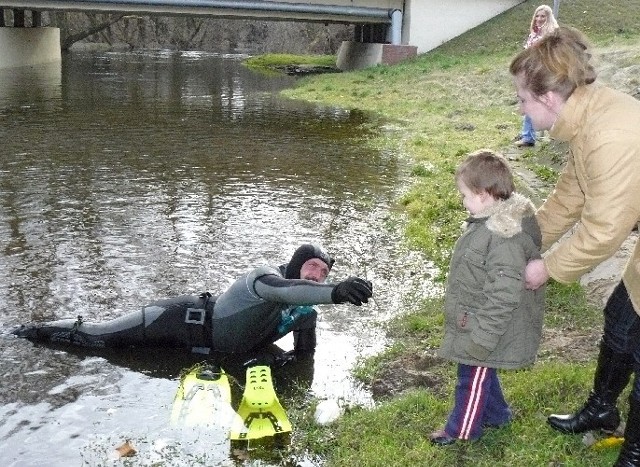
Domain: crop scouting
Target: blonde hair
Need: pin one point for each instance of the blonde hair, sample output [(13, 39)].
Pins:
[(559, 62), (549, 25), (486, 170)]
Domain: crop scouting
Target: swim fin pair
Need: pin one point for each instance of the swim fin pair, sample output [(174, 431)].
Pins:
[(204, 399)]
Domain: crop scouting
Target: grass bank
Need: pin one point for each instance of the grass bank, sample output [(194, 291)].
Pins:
[(292, 64), (438, 107)]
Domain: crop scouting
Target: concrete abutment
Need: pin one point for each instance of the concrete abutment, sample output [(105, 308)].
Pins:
[(354, 55), (29, 46)]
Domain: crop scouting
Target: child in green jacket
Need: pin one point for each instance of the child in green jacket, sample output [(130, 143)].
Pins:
[(491, 320)]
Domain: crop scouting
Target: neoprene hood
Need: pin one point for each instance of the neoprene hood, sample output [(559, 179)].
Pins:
[(303, 254)]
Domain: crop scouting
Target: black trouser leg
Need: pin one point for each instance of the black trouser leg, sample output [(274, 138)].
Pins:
[(630, 452)]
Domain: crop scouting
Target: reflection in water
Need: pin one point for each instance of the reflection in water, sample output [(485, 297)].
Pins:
[(139, 176), (44, 84)]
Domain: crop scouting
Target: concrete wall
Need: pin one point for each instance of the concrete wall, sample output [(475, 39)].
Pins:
[(29, 46), (430, 23), (357, 55)]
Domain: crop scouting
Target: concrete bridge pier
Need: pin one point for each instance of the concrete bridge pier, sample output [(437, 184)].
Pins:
[(25, 46), (375, 44), (354, 55)]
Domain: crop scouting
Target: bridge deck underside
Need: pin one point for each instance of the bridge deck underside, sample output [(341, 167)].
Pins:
[(222, 9)]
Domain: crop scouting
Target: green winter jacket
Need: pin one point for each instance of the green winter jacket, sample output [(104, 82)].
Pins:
[(491, 320)]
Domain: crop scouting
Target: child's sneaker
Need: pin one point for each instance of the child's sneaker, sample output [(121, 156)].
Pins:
[(441, 438)]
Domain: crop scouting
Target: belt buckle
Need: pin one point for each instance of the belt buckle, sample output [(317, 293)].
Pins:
[(195, 316)]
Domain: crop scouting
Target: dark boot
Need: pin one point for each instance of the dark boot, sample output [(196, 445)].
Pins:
[(61, 331), (630, 453), (600, 411), (304, 341)]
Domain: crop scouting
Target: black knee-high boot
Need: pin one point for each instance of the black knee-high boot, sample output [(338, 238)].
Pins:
[(630, 453), (600, 411)]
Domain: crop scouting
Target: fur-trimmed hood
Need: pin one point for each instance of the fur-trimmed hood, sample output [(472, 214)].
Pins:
[(507, 218)]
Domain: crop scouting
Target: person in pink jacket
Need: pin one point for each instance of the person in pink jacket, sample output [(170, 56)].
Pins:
[(542, 23), (592, 210)]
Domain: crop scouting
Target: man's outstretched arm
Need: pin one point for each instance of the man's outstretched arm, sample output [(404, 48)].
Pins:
[(303, 292)]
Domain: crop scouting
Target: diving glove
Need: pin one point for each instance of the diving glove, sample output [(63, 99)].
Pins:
[(353, 290)]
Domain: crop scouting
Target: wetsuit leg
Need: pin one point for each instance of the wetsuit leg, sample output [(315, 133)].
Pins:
[(120, 332), (181, 322)]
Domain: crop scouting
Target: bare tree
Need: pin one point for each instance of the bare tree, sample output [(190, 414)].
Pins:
[(76, 27), (198, 33)]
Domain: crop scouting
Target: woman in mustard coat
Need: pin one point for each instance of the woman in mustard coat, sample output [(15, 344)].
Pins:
[(592, 210)]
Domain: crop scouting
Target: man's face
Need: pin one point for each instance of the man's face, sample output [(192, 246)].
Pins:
[(315, 270)]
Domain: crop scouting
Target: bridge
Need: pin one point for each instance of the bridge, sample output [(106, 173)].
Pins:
[(387, 31)]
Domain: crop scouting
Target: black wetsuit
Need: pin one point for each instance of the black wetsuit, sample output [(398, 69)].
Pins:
[(256, 310), (263, 306)]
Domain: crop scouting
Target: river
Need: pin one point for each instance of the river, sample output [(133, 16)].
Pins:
[(132, 176)]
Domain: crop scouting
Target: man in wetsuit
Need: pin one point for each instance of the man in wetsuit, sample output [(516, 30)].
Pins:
[(258, 309)]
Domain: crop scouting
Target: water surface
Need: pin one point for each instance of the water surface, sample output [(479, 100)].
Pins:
[(128, 177)]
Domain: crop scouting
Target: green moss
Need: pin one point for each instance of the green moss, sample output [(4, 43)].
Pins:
[(277, 60)]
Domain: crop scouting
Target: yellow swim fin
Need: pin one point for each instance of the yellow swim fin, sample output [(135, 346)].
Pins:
[(260, 411), (608, 442), (203, 398)]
